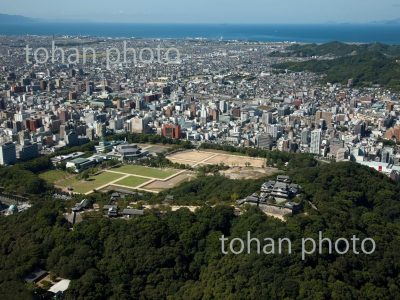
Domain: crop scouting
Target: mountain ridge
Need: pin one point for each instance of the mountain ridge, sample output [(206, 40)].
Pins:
[(15, 19)]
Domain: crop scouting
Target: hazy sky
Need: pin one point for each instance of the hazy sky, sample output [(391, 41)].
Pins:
[(208, 11)]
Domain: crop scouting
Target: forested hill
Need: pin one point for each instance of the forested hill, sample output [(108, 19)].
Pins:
[(178, 255), (367, 65), (336, 49)]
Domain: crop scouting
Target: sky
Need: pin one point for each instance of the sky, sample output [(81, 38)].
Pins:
[(208, 11)]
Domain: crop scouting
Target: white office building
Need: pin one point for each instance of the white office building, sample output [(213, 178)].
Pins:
[(315, 141)]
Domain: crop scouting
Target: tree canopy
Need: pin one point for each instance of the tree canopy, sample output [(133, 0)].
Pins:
[(177, 255)]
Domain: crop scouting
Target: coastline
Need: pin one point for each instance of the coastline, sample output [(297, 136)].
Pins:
[(315, 33)]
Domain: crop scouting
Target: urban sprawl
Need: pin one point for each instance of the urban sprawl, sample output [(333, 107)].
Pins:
[(222, 92)]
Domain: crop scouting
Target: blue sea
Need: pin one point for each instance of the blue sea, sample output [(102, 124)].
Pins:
[(389, 34)]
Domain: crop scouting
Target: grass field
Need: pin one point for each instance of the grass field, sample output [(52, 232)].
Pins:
[(132, 174), (145, 171), (81, 186), (132, 181), (52, 176)]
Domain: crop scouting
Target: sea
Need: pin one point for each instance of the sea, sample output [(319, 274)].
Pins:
[(354, 33)]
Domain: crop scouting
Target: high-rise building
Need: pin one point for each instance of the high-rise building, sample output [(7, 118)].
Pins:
[(23, 135), (20, 116), (283, 111), (63, 131), (305, 136), (387, 155), (58, 83), (215, 115), (17, 125), (8, 154), (203, 115), (71, 138), (137, 125), (359, 129), (264, 140), (89, 88), (72, 96), (192, 109), (139, 103), (166, 90), (172, 131), (323, 115), (236, 112), (43, 85), (2, 103), (168, 111), (33, 124), (335, 145), (390, 106), (63, 115), (28, 151), (116, 124), (222, 106), (274, 130), (100, 129), (267, 117), (315, 141), (90, 133)]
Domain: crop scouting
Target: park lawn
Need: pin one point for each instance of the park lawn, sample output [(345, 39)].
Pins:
[(146, 171), (52, 176), (82, 187), (132, 181)]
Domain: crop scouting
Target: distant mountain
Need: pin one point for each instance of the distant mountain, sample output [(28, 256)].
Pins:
[(14, 19)]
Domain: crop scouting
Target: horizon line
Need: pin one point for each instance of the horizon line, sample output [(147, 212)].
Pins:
[(79, 21)]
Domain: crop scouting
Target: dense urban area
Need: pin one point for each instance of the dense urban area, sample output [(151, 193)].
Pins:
[(118, 177), (226, 93)]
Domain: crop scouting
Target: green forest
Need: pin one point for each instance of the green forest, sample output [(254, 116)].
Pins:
[(366, 65), (336, 49), (177, 255)]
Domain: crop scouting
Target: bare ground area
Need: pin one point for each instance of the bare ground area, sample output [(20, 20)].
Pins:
[(194, 157), (159, 185), (191, 155), (249, 172), (234, 160)]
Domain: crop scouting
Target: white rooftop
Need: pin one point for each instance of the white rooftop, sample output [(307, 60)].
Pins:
[(60, 286)]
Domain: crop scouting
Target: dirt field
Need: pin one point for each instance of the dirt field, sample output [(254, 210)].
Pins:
[(249, 172), (190, 156), (233, 160), (159, 185), (195, 158)]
